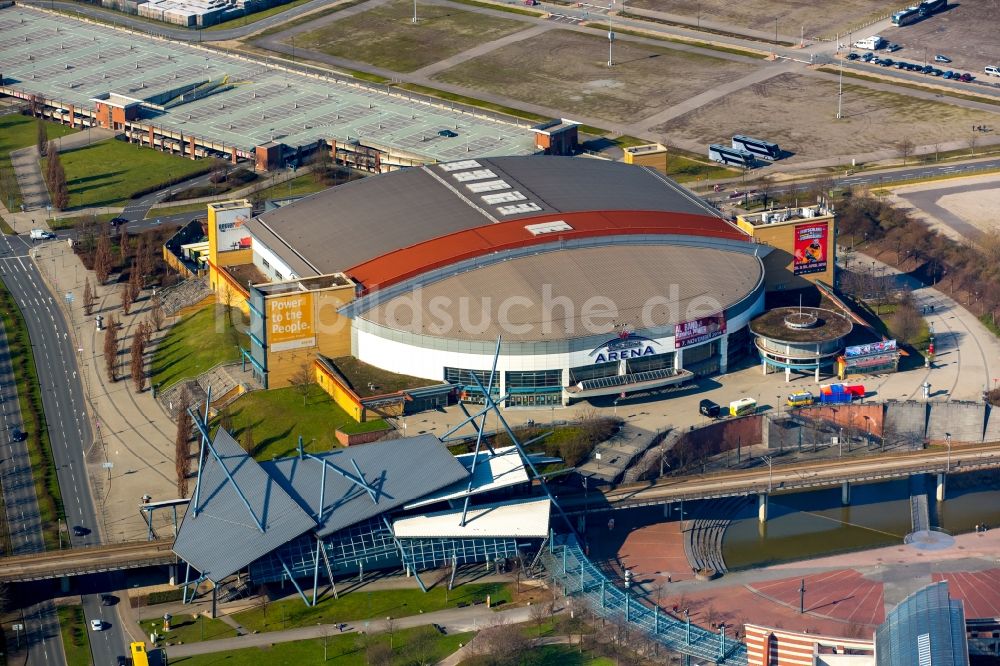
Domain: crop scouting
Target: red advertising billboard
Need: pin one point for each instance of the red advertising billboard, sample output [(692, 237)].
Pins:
[(696, 331), (812, 244)]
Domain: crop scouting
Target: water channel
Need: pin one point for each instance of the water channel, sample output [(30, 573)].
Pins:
[(813, 524)]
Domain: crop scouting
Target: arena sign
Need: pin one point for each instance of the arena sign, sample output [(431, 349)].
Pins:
[(696, 331), (626, 345)]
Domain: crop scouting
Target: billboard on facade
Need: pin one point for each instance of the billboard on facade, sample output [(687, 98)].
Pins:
[(871, 349), (230, 229), (290, 322), (811, 248), (696, 331)]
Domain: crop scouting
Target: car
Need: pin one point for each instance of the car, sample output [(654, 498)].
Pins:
[(122, 660), (901, 65), (946, 75), (892, 48), (447, 133), (926, 69), (966, 77), (710, 409), (97, 625), (118, 221), (17, 435), (914, 68), (108, 600), (936, 72), (885, 62), (80, 530), (853, 56), (941, 58), (868, 56)]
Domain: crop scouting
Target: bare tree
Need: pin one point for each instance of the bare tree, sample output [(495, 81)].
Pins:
[(905, 148), (88, 298), (182, 449), (58, 188), (126, 296), (41, 139), (539, 613), (123, 243), (906, 320), (111, 348), (420, 647), (264, 598), (139, 340), (102, 258), (390, 628), (135, 282), (156, 314), (501, 643), (303, 381), (248, 444), (378, 653), (973, 140)]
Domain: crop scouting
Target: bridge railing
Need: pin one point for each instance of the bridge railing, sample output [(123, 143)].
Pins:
[(578, 576)]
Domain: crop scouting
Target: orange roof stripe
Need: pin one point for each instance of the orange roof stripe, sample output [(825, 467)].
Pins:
[(409, 262)]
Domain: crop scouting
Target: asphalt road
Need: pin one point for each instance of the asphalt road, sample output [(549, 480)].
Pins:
[(41, 624), (66, 414), (136, 211)]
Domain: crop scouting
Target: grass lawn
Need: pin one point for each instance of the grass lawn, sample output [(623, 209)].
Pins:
[(17, 131), (183, 208), (188, 629), (296, 187), (386, 36), (358, 606), (685, 170), (361, 374), (552, 655), (278, 417), (61, 223), (417, 645), (76, 641), (109, 172), (195, 344)]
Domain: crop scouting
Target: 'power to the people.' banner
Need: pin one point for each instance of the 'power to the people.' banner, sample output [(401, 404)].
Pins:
[(290, 322)]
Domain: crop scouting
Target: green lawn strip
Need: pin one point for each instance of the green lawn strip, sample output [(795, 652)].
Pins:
[(885, 313), (173, 210), (990, 322), (409, 646), (735, 50), (501, 8), (472, 101), (685, 169), (830, 69), (711, 31), (76, 641), (249, 19), (195, 344), (296, 187), (185, 628), (278, 417), (549, 655), (6, 228), (302, 20), (16, 132), (107, 173), (29, 395), (62, 223), (359, 606)]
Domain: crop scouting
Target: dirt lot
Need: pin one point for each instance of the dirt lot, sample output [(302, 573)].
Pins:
[(386, 36), (966, 33), (798, 112), (826, 19), (961, 208), (568, 71)]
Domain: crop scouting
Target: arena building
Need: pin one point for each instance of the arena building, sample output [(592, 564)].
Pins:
[(599, 277)]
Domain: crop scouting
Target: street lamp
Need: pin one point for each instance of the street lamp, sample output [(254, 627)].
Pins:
[(947, 468), (768, 460)]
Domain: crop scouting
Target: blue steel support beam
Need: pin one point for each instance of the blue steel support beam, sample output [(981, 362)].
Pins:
[(288, 573), (319, 544), (358, 481), (201, 453), (187, 577), (364, 483)]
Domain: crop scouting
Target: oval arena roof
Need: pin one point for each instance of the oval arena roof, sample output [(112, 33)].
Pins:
[(544, 296), (387, 228)]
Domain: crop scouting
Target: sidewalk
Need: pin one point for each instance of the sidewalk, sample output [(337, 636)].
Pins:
[(133, 433)]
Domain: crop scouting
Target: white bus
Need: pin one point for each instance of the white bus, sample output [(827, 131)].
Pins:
[(730, 156), (759, 147), (907, 16)]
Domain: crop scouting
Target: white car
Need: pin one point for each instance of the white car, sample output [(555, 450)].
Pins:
[(97, 625)]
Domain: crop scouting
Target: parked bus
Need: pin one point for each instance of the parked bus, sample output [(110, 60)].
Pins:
[(760, 148), (907, 16), (928, 7), (730, 156), (743, 407)]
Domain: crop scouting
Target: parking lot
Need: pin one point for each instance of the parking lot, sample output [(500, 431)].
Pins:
[(937, 66), (966, 33)]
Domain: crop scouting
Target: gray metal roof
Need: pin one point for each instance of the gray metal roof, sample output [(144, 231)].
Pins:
[(400, 470), (224, 537), (344, 226)]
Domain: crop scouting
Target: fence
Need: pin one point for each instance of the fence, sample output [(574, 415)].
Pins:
[(570, 568)]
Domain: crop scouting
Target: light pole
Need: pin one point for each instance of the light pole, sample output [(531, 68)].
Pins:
[(768, 460), (611, 36), (947, 468), (414, 11)]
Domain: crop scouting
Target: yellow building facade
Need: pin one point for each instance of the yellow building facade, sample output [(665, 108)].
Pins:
[(804, 242), (229, 244)]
